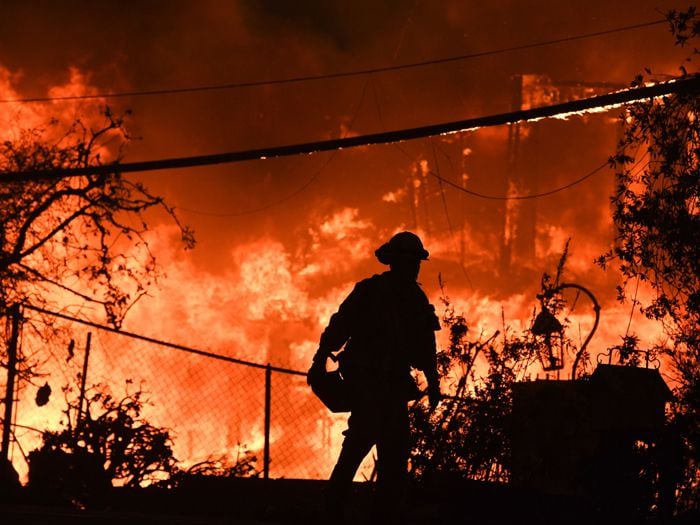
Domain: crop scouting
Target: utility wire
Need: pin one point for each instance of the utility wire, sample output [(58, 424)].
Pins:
[(308, 182), (445, 208), (301, 188), (343, 74), (520, 197), (442, 189), (682, 85)]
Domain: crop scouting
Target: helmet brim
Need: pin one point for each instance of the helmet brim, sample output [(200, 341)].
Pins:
[(386, 254)]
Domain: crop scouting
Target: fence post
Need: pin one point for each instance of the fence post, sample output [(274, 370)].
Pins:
[(268, 399), (81, 399), (11, 377)]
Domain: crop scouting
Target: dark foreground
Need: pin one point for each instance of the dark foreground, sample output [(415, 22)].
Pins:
[(256, 501)]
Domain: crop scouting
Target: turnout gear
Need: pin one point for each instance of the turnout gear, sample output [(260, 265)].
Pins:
[(386, 326), (383, 329)]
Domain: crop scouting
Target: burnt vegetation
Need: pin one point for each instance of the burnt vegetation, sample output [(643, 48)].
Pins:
[(107, 441), (80, 241)]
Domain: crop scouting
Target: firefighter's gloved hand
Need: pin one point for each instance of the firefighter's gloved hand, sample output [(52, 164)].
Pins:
[(434, 396), (318, 366), (321, 356)]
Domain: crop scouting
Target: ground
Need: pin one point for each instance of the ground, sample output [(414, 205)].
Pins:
[(284, 502)]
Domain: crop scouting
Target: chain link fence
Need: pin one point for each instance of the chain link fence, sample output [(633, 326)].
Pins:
[(215, 406)]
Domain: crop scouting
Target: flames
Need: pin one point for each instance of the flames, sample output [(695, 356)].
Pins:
[(270, 297)]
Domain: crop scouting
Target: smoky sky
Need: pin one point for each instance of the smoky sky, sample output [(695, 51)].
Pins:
[(157, 44), (142, 45)]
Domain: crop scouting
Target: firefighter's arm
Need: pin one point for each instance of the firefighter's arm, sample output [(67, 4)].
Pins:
[(340, 325), (427, 363), (332, 339), (430, 366), (431, 375)]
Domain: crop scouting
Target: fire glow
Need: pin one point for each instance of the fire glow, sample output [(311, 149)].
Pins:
[(277, 292)]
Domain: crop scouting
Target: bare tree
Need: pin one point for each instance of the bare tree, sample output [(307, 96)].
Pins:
[(81, 237), (78, 241)]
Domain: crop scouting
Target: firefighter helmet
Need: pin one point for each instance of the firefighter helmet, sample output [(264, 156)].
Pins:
[(401, 245)]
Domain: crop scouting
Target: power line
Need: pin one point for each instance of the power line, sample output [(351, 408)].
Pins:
[(683, 85), (289, 196), (343, 74), (520, 197), (301, 188), (449, 221)]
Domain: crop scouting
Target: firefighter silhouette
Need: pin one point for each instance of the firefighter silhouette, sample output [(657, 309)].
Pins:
[(382, 330)]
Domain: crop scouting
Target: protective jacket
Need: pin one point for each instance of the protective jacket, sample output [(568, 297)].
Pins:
[(387, 326)]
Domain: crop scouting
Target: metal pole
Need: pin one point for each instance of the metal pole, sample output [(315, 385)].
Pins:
[(11, 376), (268, 397), (83, 379)]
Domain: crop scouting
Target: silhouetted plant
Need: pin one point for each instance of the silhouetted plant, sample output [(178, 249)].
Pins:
[(244, 465), (467, 435), (109, 442), (656, 208)]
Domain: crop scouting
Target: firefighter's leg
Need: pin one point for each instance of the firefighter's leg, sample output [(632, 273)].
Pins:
[(359, 439), (392, 476)]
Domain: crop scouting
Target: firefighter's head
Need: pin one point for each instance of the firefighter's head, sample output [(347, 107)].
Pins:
[(403, 253)]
